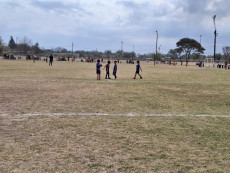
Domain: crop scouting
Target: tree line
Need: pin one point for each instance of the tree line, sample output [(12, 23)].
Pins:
[(25, 47), (186, 49)]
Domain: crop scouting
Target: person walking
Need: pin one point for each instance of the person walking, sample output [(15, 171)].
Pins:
[(138, 68), (115, 70)]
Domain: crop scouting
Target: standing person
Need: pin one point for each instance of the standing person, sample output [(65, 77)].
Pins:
[(186, 63), (33, 59), (115, 69), (225, 65), (51, 60), (98, 70), (107, 70), (138, 68)]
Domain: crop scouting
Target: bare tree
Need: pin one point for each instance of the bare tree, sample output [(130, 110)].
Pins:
[(60, 50), (35, 49), (226, 51), (25, 45), (1, 45)]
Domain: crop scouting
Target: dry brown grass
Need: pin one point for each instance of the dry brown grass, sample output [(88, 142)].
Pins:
[(113, 143), (71, 87)]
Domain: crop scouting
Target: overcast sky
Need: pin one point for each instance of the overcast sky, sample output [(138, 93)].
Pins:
[(103, 24)]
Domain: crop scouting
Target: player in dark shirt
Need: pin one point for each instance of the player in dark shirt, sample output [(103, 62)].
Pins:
[(138, 68), (115, 69), (98, 70), (51, 60), (107, 70)]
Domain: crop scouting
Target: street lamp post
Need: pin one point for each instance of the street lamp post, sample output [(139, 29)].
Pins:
[(72, 49), (215, 35), (156, 42), (200, 39)]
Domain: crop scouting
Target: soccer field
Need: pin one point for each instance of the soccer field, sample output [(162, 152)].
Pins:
[(66, 87), (61, 119)]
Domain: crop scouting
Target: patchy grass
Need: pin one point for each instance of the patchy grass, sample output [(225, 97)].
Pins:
[(115, 144), (71, 87)]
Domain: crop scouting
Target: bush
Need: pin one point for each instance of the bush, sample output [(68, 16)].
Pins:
[(62, 58)]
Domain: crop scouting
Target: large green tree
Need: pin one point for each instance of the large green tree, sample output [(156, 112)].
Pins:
[(173, 54), (156, 57), (128, 56), (108, 54), (188, 46)]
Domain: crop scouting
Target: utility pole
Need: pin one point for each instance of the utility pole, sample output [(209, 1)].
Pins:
[(215, 35), (72, 49), (133, 52), (121, 49), (156, 42), (200, 45)]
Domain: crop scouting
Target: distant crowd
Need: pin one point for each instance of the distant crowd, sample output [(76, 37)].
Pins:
[(50, 59)]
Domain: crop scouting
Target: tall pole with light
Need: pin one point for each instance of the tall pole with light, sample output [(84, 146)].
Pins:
[(215, 34), (72, 49)]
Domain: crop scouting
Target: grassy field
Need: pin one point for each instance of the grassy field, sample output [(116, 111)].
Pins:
[(113, 143), (71, 87)]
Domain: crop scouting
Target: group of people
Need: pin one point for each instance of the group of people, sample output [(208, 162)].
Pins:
[(107, 67), (223, 65)]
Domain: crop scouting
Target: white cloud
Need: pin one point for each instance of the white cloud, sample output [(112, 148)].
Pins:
[(103, 24)]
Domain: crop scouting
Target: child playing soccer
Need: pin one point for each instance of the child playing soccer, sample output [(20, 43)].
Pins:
[(107, 70), (115, 69), (138, 68), (98, 71)]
